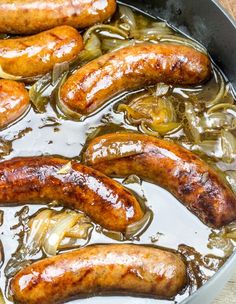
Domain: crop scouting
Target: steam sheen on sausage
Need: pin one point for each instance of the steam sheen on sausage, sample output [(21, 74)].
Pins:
[(169, 165), (36, 55), (130, 68), (33, 16), (39, 179), (14, 101), (100, 269)]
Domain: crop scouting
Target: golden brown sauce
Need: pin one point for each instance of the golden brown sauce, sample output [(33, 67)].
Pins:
[(173, 226)]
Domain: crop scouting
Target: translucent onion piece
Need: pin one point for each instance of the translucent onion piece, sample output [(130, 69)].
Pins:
[(193, 122), (38, 227), (37, 91), (145, 129), (5, 75), (161, 89), (166, 128), (231, 178), (220, 94), (65, 169), (218, 120), (151, 33), (58, 70), (231, 235), (223, 106), (57, 233), (127, 15), (93, 43), (228, 143), (138, 227), (79, 231), (180, 40), (209, 147), (230, 230), (104, 27), (109, 45), (115, 235)]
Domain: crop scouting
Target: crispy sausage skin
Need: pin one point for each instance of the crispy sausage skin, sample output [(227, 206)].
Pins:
[(130, 68), (33, 16), (36, 55), (39, 179), (169, 165), (115, 268), (14, 101)]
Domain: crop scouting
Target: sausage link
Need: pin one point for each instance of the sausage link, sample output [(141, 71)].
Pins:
[(38, 179), (130, 68), (131, 269), (36, 55), (169, 165), (33, 16), (14, 100)]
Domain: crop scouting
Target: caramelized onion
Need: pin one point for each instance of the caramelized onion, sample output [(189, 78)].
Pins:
[(153, 114)]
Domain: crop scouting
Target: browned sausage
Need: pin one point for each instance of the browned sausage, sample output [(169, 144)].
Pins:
[(130, 68), (39, 179), (36, 55), (33, 16), (14, 100), (169, 165), (99, 269)]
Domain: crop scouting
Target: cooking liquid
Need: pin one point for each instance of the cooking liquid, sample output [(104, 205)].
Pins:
[(172, 226)]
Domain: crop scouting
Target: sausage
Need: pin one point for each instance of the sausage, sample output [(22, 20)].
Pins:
[(14, 101), (130, 68), (169, 165), (39, 179), (33, 16), (36, 55), (96, 269)]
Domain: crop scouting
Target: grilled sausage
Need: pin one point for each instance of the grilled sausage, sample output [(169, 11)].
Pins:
[(14, 100), (39, 179), (130, 68), (100, 269), (33, 16), (36, 55), (169, 165)]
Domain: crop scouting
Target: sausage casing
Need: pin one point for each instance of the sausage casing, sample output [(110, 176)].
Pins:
[(33, 16), (36, 55), (130, 68), (169, 165), (38, 179), (99, 269), (14, 100)]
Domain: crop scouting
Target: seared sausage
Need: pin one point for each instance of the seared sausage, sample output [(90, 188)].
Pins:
[(36, 55), (130, 68), (33, 16), (43, 179), (169, 165), (14, 100), (100, 269)]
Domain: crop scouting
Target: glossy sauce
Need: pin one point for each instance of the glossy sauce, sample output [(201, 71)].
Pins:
[(173, 226)]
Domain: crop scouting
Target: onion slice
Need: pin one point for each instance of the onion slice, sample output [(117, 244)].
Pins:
[(57, 233)]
